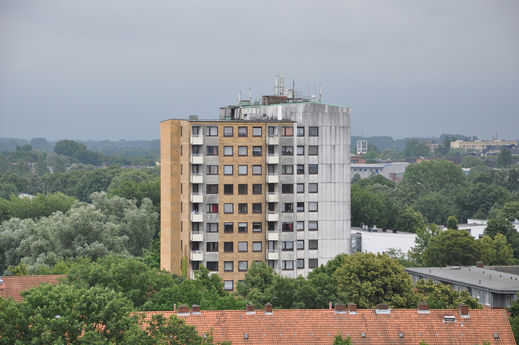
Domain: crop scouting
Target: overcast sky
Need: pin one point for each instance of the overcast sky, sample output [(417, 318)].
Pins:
[(105, 69)]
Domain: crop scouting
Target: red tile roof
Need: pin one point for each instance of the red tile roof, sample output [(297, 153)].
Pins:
[(307, 326), (14, 285)]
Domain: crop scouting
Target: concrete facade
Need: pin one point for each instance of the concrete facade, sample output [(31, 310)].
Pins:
[(381, 241)]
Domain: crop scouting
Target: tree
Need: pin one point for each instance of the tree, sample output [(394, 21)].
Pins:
[(408, 220), (339, 340), (434, 175), (423, 238), (415, 148), (441, 296), (451, 247), (368, 279), (510, 211), (504, 159), (68, 147), (257, 285), (452, 223), (496, 251), (471, 162), (505, 227)]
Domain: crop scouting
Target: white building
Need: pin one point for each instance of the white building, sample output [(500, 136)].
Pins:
[(362, 147), (393, 171), (381, 241)]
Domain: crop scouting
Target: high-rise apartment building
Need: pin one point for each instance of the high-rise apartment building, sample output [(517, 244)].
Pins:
[(266, 182)]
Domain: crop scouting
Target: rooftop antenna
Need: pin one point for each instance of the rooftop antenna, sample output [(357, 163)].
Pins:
[(281, 85), (276, 86), (320, 92), (294, 88), (250, 94), (239, 97)]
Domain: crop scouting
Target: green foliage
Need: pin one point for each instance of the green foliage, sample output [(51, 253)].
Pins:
[(496, 251), (37, 207), (18, 270), (451, 247), (505, 227), (434, 175), (441, 296), (504, 159), (339, 340), (434, 206), (368, 279), (471, 162), (415, 148), (423, 238), (510, 211), (452, 223)]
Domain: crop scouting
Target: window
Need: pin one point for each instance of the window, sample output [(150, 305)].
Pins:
[(287, 188), (313, 168), (227, 170), (228, 285), (242, 131), (313, 150), (300, 244), (211, 131), (312, 244), (228, 247), (300, 131), (256, 131), (256, 151), (242, 189), (243, 246), (256, 246), (195, 227), (227, 151), (211, 227), (256, 188), (228, 227), (211, 150), (288, 207), (243, 266), (312, 207), (256, 227), (286, 227), (300, 150), (271, 246), (256, 170), (228, 208), (212, 266), (271, 169), (271, 131), (228, 266), (287, 246), (312, 263), (271, 187), (271, 149), (242, 170), (227, 132), (195, 169), (300, 187), (271, 226), (287, 169), (312, 188), (242, 227), (196, 265), (228, 188), (195, 246), (256, 208), (287, 131), (212, 208), (300, 225), (242, 208), (242, 150), (287, 150), (288, 265), (211, 246), (211, 189), (300, 207), (300, 169), (195, 131), (211, 169), (300, 263), (313, 225), (196, 150), (313, 131)]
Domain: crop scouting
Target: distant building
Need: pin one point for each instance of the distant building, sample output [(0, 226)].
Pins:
[(362, 147), (488, 146), (382, 325), (380, 240), (491, 288), (392, 171), (476, 227)]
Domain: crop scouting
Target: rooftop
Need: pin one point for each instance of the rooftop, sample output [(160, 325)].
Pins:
[(486, 278), (366, 326), (13, 285)]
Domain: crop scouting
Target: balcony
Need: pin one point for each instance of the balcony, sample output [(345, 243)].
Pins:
[(273, 140), (197, 236), (197, 159), (272, 159), (197, 256), (197, 140), (272, 178), (272, 256), (197, 198), (272, 217), (197, 178), (197, 217), (272, 236), (272, 197)]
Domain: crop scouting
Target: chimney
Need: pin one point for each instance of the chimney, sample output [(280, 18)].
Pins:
[(480, 264), (382, 308), (352, 308), (464, 311), (423, 308), (195, 309), (340, 308), (183, 310), (330, 305), (249, 309), (268, 309)]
